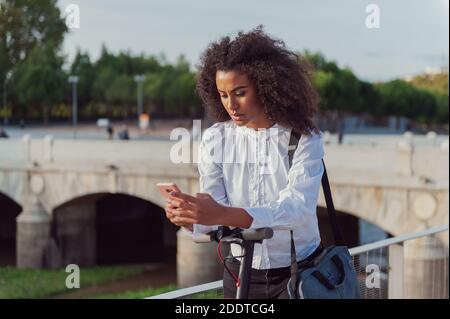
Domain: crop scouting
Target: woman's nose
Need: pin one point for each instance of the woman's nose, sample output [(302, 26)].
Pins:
[(232, 104)]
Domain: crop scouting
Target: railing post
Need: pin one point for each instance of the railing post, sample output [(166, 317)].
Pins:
[(26, 147), (48, 148), (405, 153), (396, 272)]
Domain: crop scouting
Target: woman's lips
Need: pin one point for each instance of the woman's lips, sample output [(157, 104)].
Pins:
[(238, 117)]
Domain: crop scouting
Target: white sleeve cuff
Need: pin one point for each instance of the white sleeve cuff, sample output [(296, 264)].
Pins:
[(202, 229), (262, 217)]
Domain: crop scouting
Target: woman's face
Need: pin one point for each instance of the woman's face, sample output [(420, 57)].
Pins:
[(239, 98)]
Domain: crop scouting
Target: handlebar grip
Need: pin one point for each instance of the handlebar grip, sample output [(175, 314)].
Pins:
[(257, 234)]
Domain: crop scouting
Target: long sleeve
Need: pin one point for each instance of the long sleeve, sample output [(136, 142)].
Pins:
[(299, 198), (210, 170)]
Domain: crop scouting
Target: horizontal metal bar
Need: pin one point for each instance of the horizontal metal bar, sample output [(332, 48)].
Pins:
[(189, 291), (397, 240), (353, 251)]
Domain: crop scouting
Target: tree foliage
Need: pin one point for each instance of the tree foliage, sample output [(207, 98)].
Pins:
[(26, 24), (40, 81), (423, 99), (31, 33)]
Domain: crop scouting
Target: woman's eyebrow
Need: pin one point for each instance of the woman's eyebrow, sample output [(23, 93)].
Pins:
[(236, 88)]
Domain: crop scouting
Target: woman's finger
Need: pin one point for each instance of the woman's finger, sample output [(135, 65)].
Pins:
[(184, 197), (176, 202), (171, 214), (180, 204), (187, 206), (185, 220), (171, 206)]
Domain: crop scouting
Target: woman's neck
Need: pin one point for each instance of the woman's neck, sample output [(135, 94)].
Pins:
[(259, 126)]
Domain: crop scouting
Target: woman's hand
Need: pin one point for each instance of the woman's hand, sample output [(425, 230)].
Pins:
[(171, 213), (202, 209)]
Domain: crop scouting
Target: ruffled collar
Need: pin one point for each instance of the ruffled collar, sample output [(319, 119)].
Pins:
[(252, 131)]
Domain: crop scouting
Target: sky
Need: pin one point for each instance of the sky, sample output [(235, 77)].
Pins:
[(413, 35)]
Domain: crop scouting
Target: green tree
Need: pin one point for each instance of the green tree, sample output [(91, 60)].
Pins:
[(434, 82), (442, 108), (83, 68), (370, 98), (437, 85), (122, 92), (40, 82), (400, 98), (319, 62), (172, 91), (339, 89), (396, 96), (323, 82), (154, 88), (25, 24)]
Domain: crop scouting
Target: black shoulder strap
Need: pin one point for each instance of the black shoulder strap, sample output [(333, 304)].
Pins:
[(293, 142)]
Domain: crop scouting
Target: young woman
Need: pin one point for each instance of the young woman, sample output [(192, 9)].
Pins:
[(252, 84)]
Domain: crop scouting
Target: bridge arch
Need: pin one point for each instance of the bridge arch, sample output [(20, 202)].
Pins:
[(111, 228), (11, 190), (385, 207), (355, 229), (9, 210)]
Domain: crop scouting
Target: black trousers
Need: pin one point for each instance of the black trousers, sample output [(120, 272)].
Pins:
[(264, 283)]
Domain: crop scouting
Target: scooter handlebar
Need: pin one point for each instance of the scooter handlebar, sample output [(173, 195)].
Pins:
[(247, 234), (257, 234)]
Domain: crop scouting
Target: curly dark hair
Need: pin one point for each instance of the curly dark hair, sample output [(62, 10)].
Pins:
[(282, 78)]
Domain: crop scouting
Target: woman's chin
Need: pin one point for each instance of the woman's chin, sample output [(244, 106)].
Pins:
[(239, 122)]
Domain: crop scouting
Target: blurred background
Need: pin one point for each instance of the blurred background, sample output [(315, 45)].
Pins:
[(90, 92)]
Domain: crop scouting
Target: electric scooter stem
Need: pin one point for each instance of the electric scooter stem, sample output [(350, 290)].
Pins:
[(245, 269), (246, 239)]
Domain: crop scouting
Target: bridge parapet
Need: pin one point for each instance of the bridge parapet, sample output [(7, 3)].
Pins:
[(401, 188)]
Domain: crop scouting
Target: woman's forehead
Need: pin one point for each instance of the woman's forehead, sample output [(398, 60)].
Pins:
[(230, 79)]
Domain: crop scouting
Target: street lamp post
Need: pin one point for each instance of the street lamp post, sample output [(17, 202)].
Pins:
[(140, 78), (5, 118), (74, 80)]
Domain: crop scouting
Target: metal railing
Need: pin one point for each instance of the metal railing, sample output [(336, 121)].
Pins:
[(407, 266)]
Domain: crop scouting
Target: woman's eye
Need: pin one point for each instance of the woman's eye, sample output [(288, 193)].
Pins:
[(223, 96), (240, 93)]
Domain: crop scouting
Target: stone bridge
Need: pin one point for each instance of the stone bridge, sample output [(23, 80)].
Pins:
[(57, 185)]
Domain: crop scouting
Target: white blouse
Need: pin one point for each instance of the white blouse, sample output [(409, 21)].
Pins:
[(247, 168)]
